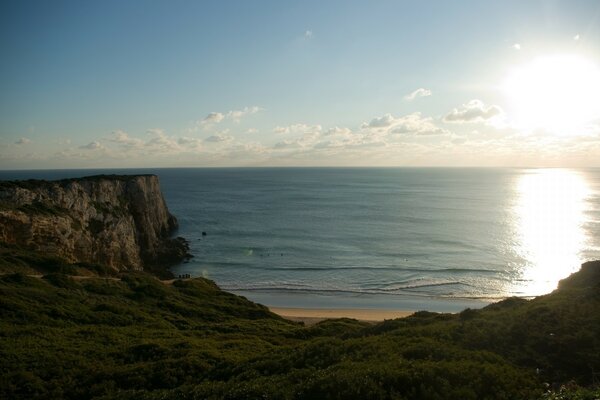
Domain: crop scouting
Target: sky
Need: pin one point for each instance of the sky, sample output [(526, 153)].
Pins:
[(299, 83)]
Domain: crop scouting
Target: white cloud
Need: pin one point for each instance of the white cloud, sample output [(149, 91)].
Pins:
[(212, 118), (380, 122), (420, 92), (281, 129), (219, 138), (305, 141), (158, 143), (125, 140), (576, 37), (516, 46), (22, 141), (190, 143), (236, 115), (411, 139), (161, 142), (297, 128), (377, 140), (416, 124), (308, 34), (95, 145), (409, 124), (337, 131), (474, 111)]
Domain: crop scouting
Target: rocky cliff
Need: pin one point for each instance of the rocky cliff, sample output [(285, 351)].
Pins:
[(118, 221)]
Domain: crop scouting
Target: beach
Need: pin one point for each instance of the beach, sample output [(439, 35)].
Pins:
[(312, 316)]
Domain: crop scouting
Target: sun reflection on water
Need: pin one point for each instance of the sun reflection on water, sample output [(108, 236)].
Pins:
[(549, 216)]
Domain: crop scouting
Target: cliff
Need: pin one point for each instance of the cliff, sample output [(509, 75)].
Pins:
[(118, 221)]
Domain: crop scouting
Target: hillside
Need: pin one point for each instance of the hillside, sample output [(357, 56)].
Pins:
[(136, 337)]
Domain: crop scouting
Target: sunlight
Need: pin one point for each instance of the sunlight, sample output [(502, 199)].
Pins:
[(549, 214), (559, 94)]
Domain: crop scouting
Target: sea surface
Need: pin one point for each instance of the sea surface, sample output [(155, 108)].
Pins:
[(438, 239)]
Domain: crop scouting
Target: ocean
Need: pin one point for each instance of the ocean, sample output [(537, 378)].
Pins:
[(439, 239)]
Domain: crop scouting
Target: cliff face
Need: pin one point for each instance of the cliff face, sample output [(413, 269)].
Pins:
[(118, 221)]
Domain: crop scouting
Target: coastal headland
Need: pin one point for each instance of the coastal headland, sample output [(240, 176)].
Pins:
[(120, 222)]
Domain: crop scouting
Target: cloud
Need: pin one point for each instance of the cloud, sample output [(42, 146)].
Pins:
[(92, 146), (233, 115), (382, 137), (219, 138), (306, 141), (420, 92), (212, 118), (380, 122), (252, 130), (190, 143), (236, 115), (125, 140), (158, 143), (308, 34), (516, 46), (416, 124), (473, 111), (576, 37), (409, 124), (297, 128), (310, 135), (281, 129), (337, 131), (161, 142), (22, 141)]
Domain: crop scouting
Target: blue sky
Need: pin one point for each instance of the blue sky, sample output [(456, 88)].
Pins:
[(237, 83)]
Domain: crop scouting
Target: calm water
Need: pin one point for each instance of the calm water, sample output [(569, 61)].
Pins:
[(437, 239)]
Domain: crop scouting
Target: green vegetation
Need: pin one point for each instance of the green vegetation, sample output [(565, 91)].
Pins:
[(14, 258), (135, 337)]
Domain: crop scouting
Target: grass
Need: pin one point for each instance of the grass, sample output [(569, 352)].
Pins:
[(138, 338)]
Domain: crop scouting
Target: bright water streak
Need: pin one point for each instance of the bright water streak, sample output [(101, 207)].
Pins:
[(550, 217)]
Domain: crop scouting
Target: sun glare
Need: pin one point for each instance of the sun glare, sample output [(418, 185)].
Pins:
[(549, 216), (559, 94)]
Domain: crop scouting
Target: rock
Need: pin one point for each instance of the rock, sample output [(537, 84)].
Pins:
[(587, 276), (114, 220)]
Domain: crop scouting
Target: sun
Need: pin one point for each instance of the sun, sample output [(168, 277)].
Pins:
[(559, 94)]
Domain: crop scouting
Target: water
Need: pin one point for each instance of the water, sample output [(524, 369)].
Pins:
[(425, 238)]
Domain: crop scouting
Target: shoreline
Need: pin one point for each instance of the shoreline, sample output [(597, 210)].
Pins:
[(311, 316), (293, 302)]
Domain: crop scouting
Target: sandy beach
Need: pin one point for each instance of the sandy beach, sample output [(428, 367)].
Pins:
[(314, 315)]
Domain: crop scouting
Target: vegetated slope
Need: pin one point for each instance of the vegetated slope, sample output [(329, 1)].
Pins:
[(119, 221), (137, 337)]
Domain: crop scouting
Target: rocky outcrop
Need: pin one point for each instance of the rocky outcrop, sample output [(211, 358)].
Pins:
[(588, 276), (118, 221)]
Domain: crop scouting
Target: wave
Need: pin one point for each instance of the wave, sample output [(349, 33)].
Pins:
[(405, 287), (395, 268), (324, 291)]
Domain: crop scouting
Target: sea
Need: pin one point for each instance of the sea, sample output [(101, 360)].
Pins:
[(437, 239)]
